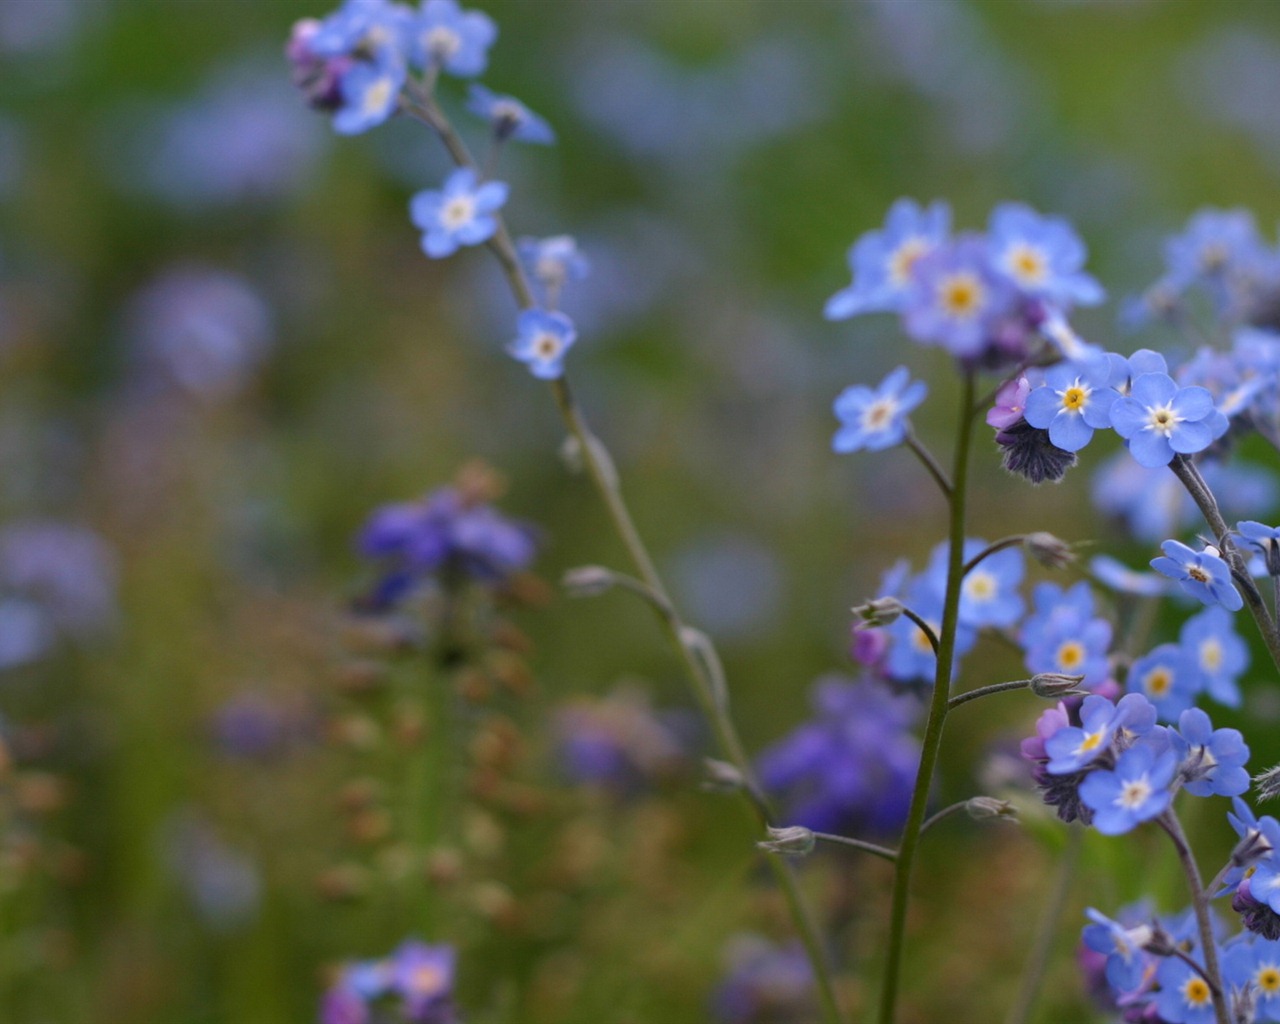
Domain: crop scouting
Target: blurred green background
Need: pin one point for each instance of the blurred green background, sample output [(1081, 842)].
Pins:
[(715, 161)]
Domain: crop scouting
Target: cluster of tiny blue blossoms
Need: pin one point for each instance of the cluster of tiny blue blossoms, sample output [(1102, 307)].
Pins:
[(1146, 966), (415, 983), (372, 59)]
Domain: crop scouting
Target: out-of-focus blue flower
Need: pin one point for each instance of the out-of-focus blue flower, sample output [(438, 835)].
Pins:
[(1073, 402), (1266, 539), (876, 418), (508, 117), (765, 982), (731, 584), (1202, 574), (852, 767), (223, 883), (202, 328), (370, 95), (883, 262), (1118, 576), (1214, 244), (1043, 256), (989, 594), (1211, 641), (256, 725), (455, 40), (1063, 635), (237, 141), (1211, 761), (618, 742), (543, 337), (955, 296), (415, 982), (1168, 678), (1137, 790), (552, 263), (422, 976), (57, 580), (1184, 996), (448, 533), (370, 29), (1160, 419), (1128, 964), (460, 213), (910, 657)]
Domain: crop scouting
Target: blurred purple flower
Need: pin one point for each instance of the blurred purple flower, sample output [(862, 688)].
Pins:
[(222, 882), (202, 328), (259, 726), (852, 767), (619, 742), (765, 983)]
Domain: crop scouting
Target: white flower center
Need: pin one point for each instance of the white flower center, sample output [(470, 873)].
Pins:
[(442, 43), (546, 346), (961, 295), (981, 586), (1162, 419), (377, 96), (903, 259), (458, 211), (1211, 655), (877, 416), (1026, 263), (1134, 793)]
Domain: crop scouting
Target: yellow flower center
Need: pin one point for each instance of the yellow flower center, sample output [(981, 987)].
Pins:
[(1211, 655), (1268, 978), (1074, 397), (961, 295), (921, 641), (1027, 264), (1070, 654), (981, 586), (1091, 741), (1196, 992), (1158, 682)]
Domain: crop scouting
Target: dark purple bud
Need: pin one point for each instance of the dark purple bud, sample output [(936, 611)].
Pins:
[(1029, 453)]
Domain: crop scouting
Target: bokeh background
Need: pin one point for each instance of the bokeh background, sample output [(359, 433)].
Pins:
[(221, 349)]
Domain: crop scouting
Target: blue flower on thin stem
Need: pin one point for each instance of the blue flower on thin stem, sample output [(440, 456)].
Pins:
[(955, 296), (1074, 402), (1184, 996), (1043, 256), (1221, 655), (883, 261), (1160, 419), (1136, 791), (1118, 576), (1127, 961), (460, 213), (989, 594), (1167, 678), (1266, 539), (542, 339), (371, 29), (509, 118), (1211, 761), (451, 39), (877, 418), (1256, 964), (370, 94), (1073, 748), (1203, 574)]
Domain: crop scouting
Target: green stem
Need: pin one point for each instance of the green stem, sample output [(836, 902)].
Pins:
[(937, 710), (986, 691), (929, 462), (421, 104), (883, 852), (991, 549), (1200, 902)]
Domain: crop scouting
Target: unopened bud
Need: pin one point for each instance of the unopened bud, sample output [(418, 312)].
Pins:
[(1052, 685), (987, 808), (879, 612), (1267, 783), (1050, 551), (1154, 939), (793, 841), (721, 776), (588, 581), (1253, 846)]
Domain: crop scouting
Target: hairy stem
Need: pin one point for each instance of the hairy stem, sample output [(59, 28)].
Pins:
[(1200, 902), (986, 691), (858, 844), (421, 105), (991, 549), (929, 462), (937, 711)]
